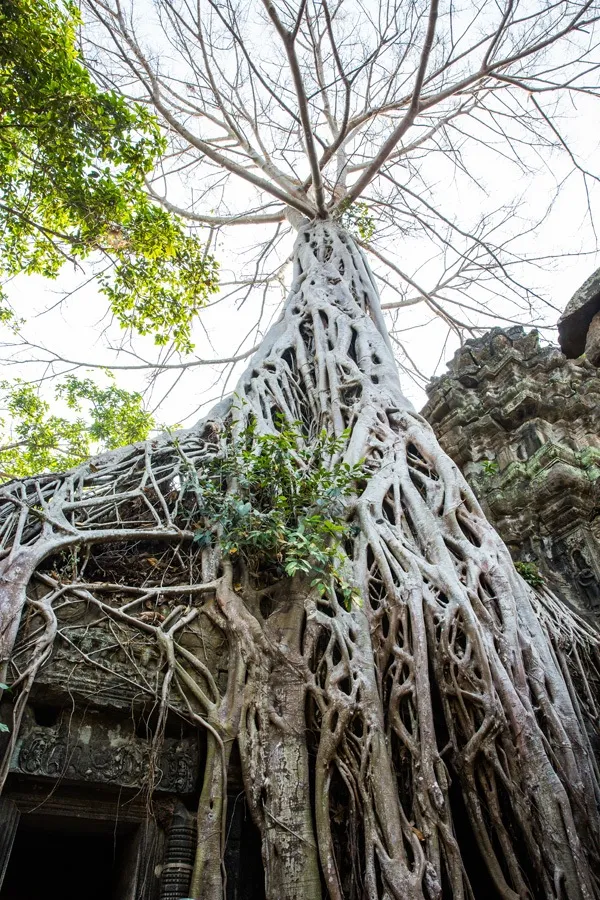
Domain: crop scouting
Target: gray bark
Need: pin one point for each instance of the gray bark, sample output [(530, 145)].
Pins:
[(443, 672)]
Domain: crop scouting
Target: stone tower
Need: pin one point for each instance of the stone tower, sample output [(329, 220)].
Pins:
[(523, 424)]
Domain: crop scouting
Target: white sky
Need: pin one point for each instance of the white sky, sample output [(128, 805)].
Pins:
[(80, 329)]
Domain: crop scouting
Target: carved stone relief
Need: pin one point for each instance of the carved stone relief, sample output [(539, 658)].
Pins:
[(89, 747)]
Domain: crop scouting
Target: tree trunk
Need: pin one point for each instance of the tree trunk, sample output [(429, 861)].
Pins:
[(442, 604), (421, 743), (287, 824)]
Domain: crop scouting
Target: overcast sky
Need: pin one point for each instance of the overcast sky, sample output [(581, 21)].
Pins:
[(79, 327)]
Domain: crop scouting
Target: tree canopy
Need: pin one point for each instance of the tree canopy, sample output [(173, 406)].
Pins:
[(34, 439), (448, 139), (73, 159)]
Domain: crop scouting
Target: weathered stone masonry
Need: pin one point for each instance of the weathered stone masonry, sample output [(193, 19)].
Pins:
[(523, 424)]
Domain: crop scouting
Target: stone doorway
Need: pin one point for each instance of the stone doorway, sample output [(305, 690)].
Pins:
[(60, 857), (71, 843)]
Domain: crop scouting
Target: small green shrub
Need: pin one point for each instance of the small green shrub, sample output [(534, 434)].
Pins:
[(489, 467), (277, 504), (530, 573)]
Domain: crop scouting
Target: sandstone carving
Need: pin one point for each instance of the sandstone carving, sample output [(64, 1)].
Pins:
[(523, 424)]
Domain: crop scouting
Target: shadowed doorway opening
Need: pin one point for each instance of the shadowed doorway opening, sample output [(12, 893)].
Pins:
[(70, 859)]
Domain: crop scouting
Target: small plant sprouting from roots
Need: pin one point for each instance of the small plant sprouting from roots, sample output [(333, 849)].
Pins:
[(275, 502), (306, 574)]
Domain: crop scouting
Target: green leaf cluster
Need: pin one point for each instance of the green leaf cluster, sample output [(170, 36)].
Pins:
[(358, 220), (530, 573), (162, 277), (489, 467), (33, 439), (73, 163), (278, 504)]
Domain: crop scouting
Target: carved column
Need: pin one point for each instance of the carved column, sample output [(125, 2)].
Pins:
[(179, 856)]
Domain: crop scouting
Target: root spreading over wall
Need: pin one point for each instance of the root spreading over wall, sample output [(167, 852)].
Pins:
[(428, 740)]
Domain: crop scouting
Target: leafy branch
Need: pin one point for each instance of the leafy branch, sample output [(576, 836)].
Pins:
[(74, 160), (358, 219), (33, 439)]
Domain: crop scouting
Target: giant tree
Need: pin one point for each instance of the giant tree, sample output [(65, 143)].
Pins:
[(412, 719)]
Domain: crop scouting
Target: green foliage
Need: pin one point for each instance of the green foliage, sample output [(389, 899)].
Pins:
[(277, 504), (489, 467), (357, 219), (162, 278), (35, 440), (530, 573), (73, 160)]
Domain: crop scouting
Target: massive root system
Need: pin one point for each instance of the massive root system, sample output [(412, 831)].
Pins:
[(428, 739)]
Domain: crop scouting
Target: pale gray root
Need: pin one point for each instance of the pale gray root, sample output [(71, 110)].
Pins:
[(442, 599), (352, 724)]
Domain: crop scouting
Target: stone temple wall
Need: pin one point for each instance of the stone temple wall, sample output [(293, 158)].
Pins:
[(101, 799), (523, 424)]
